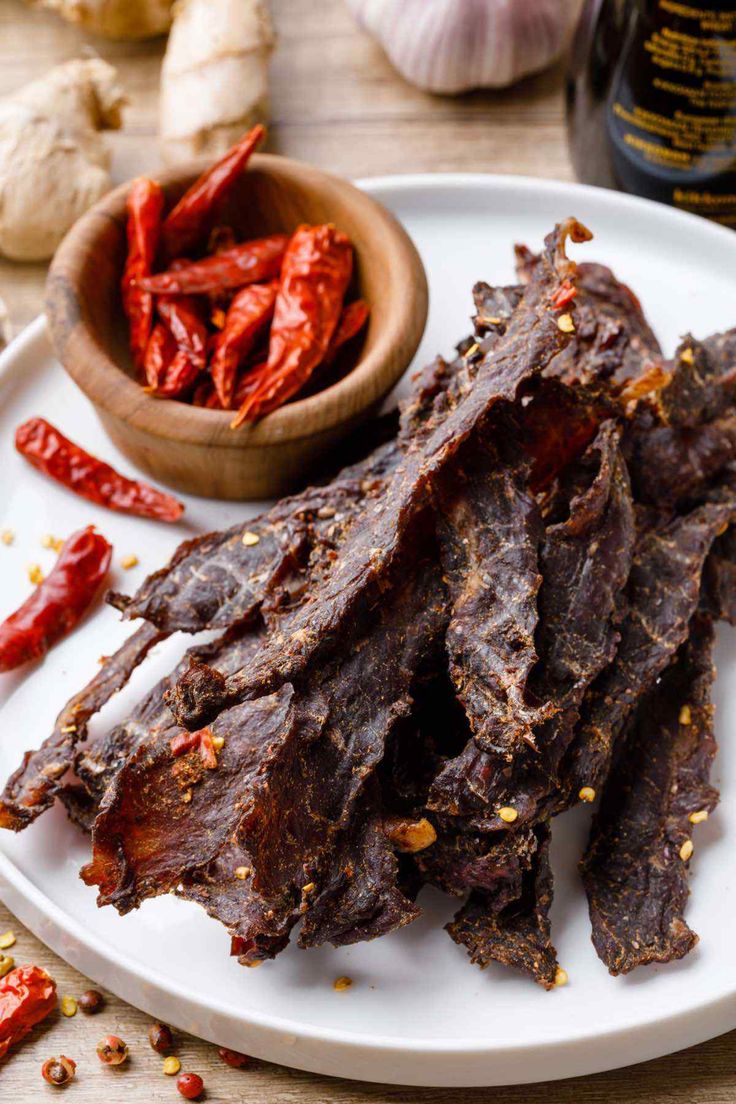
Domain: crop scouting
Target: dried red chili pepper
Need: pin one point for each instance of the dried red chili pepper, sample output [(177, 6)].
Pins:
[(564, 294), (314, 278), (58, 603), (185, 318), (67, 463), (145, 204), (27, 995), (180, 376), (352, 321), (251, 262), (159, 355), (190, 219), (250, 311)]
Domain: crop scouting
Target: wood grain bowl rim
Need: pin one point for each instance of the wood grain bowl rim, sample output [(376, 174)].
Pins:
[(107, 385)]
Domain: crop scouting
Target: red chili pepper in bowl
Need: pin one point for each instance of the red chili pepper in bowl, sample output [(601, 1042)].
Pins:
[(159, 355), (252, 262), (145, 205), (249, 313), (314, 278), (185, 319), (55, 455), (193, 215), (27, 995), (59, 602)]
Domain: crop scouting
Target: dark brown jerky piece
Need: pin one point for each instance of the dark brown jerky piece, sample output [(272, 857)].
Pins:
[(163, 815), (584, 560), (519, 934), (613, 340), (462, 860), (719, 579), (373, 544), (34, 785), (636, 868), (662, 595), (702, 380), (287, 797), (358, 896), (489, 531), (674, 465)]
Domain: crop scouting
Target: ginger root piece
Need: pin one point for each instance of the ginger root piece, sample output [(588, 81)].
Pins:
[(114, 18), (214, 80), (53, 162)]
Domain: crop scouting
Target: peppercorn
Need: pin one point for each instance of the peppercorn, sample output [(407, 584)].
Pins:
[(190, 1085), (160, 1038), (91, 1002), (59, 1071), (112, 1051), (234, 1058)]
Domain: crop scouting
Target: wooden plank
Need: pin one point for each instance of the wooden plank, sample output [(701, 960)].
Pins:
[(335, 102)]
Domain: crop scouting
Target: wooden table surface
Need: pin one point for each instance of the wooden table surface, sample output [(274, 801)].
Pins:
[(335, 102)]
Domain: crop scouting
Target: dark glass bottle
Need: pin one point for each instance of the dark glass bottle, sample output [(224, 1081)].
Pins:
[(651, 99)]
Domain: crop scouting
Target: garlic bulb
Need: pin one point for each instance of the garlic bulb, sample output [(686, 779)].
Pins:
[(455, 45)]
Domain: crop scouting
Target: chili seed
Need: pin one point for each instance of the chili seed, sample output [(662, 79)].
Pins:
[(160, 1038), (68, 1006), (7, 962), (695, 818), (686, 850), (171, 1065), (561, 977), (565, 324), (91, 1002), (249, 539), (507, 814), (7, 939), (128, 562), (342, 983), (35, 574), (234, 1058), (7, 536), (190, 1085), (587, 793), (112, 1051), (59, 1071), (54, 543)]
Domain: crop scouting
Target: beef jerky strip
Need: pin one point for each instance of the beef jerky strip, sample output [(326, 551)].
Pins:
[(672, 466), (34, 785), (373, 544), (222, 579), (489, 531), (519, 934), (718, 595), (662, 595), (636, 867), (584, 560), (462, 860), (613, 340), (288, 812), (702, 381)]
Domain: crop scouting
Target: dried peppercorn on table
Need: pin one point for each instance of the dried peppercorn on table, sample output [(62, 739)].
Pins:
[(358, 118)]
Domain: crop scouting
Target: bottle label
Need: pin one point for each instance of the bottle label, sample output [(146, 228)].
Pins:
[(672, 108)]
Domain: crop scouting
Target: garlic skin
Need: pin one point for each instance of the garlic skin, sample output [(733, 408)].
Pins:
[(452, 46)]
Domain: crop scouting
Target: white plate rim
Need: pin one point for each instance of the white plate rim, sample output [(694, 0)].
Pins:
[(527, 1061)]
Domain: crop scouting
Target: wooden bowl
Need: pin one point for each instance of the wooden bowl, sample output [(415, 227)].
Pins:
[(191, 448)]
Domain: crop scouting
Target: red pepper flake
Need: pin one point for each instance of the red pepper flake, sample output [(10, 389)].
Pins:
[(234, 1058), (185, 742), (564, 295), (27, 995), (58, 457), (59, 602)]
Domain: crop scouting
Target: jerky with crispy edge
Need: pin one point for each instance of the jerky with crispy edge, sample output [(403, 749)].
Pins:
[(662, 595), (584, 560), (34, 785), (489, 531), (374, 542), (517, 935), (634, 875)]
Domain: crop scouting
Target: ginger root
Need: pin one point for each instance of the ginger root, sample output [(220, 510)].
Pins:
[(214, 80), (53, 162), (114, 18)]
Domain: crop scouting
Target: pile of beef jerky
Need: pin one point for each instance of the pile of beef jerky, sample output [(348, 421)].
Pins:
[(504, 609)]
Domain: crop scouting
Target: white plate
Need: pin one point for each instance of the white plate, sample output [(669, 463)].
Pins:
[(418, 1012)]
